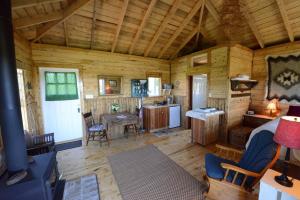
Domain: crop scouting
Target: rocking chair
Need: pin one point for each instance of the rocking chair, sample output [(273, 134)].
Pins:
[(230, 180)]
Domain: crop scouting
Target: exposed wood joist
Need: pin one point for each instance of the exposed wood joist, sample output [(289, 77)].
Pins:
[(119, 26), (252, 25), (16, 4), (285, 19), (141, 27), (200, 20), (66, 33), (213, 11), (67, 13), (93, 25), (163, 25), (190, 36), (187, 19), (25, 22)]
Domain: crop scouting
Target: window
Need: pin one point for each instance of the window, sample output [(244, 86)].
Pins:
[(109, 85), (199, 60), (61, 86), (22, 98), (154, 86)]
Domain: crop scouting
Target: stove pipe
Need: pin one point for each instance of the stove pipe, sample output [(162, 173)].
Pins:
[(10, 107)]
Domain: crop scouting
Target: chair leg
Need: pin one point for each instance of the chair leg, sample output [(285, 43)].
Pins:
[(87, 138), (106, 137)]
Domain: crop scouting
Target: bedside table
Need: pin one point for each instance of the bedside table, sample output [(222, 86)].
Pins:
[(271, 190), (255, 121)]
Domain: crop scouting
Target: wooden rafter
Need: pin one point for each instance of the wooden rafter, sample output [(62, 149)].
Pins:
[(141, 27), (16, 4), (119, 26), (285, 19), (162, 27), (213, 11), (252, 25), (93, 25), (190, 36), (66, 33), (185, 22), (67, 13), (25, 22), (200, 21)]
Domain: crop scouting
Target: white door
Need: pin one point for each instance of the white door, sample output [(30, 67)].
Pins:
[(199, 91), (60, 98)]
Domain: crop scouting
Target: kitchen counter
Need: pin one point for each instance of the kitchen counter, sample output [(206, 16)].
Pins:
[(151, 106)]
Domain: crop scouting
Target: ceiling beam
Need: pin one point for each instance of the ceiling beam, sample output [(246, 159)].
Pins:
[(25, 22), (252, 25), (213, 11), (185, 22), (67, 13), (93, 26), (285, 19), (200, 21), (16, 4), (141, 27), (163, 25), (66, 33), (119, 26), (188, 38)]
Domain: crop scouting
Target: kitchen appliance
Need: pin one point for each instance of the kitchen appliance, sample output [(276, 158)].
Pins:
[(174, 116)]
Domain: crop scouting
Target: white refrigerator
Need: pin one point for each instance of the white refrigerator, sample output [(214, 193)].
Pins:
[(174, 116)]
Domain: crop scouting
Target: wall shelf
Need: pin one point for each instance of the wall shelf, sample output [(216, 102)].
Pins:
[(242, 85)]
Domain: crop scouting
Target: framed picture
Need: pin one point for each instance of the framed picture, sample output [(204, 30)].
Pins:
[(113, 83)]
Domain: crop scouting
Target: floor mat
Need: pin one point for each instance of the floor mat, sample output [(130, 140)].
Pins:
[(68, 145)]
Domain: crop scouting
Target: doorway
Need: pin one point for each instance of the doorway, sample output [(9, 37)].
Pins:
[(61, 108), (199, 91)]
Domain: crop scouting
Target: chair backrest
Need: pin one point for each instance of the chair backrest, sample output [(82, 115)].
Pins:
[(88, 119), (261, 154)]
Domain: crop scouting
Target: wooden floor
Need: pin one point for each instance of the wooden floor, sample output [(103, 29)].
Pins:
[(93, 158)]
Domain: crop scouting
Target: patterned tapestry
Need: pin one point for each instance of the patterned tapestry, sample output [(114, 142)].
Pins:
[(284, 78)]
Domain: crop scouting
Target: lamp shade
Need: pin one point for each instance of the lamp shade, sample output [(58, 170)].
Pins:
[(288, 132), (271, 106)]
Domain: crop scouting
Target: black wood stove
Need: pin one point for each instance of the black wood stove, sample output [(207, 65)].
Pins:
[(37, 180)]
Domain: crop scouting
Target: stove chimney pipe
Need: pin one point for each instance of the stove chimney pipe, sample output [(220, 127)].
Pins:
[(10, 107)]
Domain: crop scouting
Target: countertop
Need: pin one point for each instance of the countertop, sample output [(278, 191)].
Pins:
[(159, 106)]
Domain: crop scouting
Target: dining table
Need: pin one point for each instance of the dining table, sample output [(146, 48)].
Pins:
[(115, 123)]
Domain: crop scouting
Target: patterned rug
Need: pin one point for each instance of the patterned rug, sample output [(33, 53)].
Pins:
[(146, 173), (83, 188)]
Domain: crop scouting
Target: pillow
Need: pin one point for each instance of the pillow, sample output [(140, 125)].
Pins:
[(294, 111)]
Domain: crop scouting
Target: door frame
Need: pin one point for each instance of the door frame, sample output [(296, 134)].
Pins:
[(78, 72)]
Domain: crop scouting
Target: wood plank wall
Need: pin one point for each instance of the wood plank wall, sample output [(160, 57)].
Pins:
[(240, 62), (259, 72), (92, 63), (216, 70), (24, 62)]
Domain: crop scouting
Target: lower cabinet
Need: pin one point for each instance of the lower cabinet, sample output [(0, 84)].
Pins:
[(156, 118)]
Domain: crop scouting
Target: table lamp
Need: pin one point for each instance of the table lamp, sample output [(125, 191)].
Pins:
[(287, 134), (272, 108)]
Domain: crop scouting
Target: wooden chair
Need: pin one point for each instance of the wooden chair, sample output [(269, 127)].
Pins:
[(132, 127), (230, 180), (94, 130)]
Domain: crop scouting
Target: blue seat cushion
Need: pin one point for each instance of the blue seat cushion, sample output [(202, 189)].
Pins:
[(213, 166), (96, 128)]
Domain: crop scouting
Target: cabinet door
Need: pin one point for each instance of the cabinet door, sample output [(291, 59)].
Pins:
[(163, 117)]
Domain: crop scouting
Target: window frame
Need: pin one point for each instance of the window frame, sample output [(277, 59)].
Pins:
[(58, 97)]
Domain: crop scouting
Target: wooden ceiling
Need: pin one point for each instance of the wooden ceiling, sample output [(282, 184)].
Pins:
[(152, 28)]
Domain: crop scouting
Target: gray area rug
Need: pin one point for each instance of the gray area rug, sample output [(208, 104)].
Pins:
[(148, 174), (83, 188)]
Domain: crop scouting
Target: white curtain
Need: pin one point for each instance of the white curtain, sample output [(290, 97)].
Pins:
[(199, 91)]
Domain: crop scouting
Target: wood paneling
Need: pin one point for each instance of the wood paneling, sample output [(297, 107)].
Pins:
[(92, 63), (260, 73), (156, 118)]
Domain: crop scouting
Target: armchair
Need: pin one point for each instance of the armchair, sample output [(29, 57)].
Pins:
[(231, 180)]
